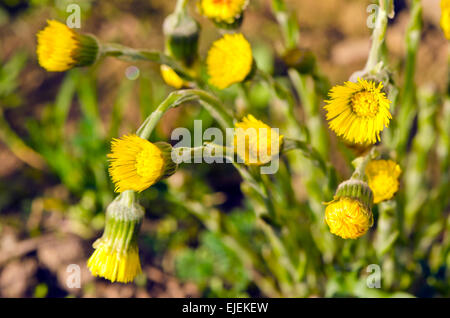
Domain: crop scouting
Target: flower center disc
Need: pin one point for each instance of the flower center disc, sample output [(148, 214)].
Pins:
[(365, 104), (148, 164)]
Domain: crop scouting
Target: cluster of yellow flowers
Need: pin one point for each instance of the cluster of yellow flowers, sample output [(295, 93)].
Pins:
[(357, 112), (136, 163), (349, 215)]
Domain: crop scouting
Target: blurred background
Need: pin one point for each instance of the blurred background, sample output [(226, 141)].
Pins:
[(55, 130)]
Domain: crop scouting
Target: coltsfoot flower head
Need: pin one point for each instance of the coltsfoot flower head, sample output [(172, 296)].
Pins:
[(349, 215), (255, 142), (59, 48), (229, 60), (116, 255), (445, 17), (136, 163), (382, 178), (223, 12), (358, 112)]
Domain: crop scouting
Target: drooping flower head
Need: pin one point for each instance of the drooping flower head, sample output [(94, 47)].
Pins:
[(59, 48), (116, 255), (358, 112), (255, 142), (229, 60), (382, 178), (136, 163), (227, 11), (445, 17), (349, 215)]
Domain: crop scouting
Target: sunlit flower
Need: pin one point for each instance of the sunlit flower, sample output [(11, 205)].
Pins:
[(255, 142), (445, 17), (349, 215), (60, 48), (382, 178), (136, 163), (358, 111), (116, 255), (222, 10), (229, 60)]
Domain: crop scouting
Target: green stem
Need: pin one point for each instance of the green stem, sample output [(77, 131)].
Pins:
[(213, 105), (180, 6), (308, 151), (131, 54), (288, 23), (360, 164), (408, 110), (18, 147), (378, 35), (295, 128)]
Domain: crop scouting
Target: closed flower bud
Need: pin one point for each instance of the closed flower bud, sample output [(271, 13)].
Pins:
[(349, 215), (181, 32), (59, 48), (116, 255)]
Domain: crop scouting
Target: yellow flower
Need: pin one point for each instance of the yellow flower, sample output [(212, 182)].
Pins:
[(358, 111), (59, 48), (136, 163), (348, 218), (171, 78), (254, 141), (445, 17), (229, 60), (222, 10), (349, 215), (116, 255), (382, 178), (113, 265)]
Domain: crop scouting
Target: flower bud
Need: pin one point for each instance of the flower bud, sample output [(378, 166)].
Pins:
[(60, 48), (349, 215), (116, 255), (181, 32)]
